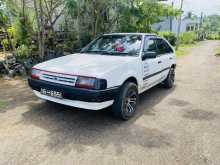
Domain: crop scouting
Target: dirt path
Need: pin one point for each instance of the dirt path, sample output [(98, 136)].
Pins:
[(179, 126)]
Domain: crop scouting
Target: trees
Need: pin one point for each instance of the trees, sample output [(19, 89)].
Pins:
[(211, 27), (91, 17), (141, 15), (83, 20), (4, 23), (47, 12)]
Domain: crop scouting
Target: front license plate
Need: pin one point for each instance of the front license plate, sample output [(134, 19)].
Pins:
[(51, 93)]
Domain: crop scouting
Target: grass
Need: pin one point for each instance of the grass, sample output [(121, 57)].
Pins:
[(218, 52), (184, 49), (3, 104)]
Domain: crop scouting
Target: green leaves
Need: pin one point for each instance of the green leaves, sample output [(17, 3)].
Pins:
[(71, 6)]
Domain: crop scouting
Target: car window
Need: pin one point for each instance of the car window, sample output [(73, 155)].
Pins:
[(116, 45), (150, 46), (163, 47)]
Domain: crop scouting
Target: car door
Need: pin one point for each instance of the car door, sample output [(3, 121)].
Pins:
[(151, 65), (166, 55)]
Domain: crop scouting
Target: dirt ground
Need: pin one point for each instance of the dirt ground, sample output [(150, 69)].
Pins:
[(172, 127)]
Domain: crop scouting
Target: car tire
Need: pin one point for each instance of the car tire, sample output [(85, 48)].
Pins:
[(169, 82), (125, 104)]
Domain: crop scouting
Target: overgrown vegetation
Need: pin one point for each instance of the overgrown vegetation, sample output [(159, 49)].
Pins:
[(171, 37), (36, 22), (188, 38), (211, 27)]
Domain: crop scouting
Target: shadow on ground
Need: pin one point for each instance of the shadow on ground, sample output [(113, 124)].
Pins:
[(74, 129), (198, 114)]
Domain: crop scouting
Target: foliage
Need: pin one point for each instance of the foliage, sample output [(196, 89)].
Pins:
[(82, 20), (188, 37), (213, 36), (23, 31), (212, 23), (211, 27), (171, 37), (4, 19), (140, 15), (4, 23), (23, 51), (5, 45)]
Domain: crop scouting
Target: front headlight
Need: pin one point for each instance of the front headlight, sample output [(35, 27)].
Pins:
[(90, 83)]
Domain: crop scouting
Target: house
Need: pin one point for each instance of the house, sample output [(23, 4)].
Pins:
[(188, 23)]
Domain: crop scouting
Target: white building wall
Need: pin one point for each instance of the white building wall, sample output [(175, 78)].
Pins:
[(165, 25)]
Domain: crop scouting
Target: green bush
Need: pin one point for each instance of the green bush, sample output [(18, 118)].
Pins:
[(11, 31), (214, 36), (23, 51), (171, 37), (5, 44), (188, 37)]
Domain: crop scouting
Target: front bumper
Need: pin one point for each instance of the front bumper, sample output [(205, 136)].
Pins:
[(77, 95)]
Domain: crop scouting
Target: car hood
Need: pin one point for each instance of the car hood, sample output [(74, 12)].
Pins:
[(84, 64)]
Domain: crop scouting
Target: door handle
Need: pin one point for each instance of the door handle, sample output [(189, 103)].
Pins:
[(170, 58), (159, 62)]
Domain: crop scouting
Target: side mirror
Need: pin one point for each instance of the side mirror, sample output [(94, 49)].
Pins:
[(149, 54)]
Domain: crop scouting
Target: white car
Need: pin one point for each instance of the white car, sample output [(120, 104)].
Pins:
[(111, 71)]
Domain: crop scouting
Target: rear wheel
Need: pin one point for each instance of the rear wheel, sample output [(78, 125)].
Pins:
[(169, 82), (125, 104)]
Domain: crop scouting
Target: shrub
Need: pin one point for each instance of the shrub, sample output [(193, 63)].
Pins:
[(214, 36), (11, 31), (188, 37), (23, 51), (5, 44), (171, 37)]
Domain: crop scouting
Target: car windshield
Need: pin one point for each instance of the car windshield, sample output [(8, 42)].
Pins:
[(123, 45)]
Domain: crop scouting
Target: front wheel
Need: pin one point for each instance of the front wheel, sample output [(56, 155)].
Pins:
[(169, 82), (125, 104)]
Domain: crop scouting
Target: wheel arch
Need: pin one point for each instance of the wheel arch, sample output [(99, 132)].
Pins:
[(131, 79), (173, 66)]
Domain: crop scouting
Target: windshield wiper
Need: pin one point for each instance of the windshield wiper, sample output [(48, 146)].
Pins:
[(109, 53), (91, 51), (124, 53)]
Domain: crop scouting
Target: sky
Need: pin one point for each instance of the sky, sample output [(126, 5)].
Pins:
[(197, 6)]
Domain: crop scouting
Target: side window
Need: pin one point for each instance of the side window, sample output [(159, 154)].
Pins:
[(168, 48), (163, 47), (150, 46)]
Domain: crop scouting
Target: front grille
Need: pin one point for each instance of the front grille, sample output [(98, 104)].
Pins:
[(59, 78)]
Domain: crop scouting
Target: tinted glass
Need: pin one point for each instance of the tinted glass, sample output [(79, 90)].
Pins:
[(163, 47)]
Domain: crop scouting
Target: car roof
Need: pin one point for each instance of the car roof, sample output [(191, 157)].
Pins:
[(146, 34)]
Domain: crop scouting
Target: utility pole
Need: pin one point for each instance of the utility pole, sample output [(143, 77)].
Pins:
[(201, 20), (171, 20), (179, 26)]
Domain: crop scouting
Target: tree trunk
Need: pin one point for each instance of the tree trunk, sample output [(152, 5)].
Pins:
[(42, 30), (40, 24), (96, 26)]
